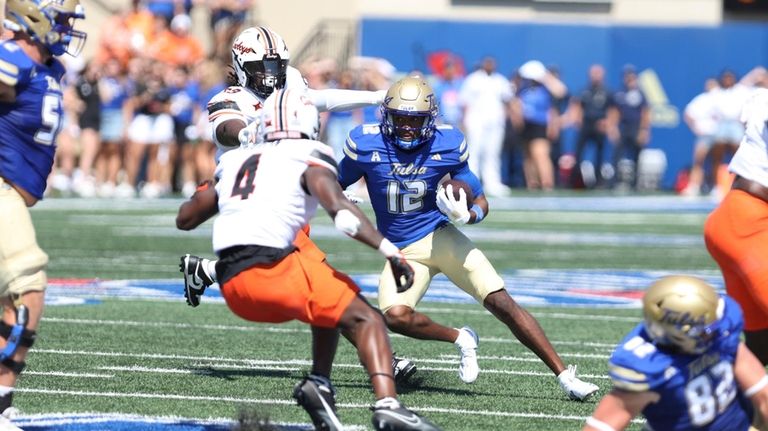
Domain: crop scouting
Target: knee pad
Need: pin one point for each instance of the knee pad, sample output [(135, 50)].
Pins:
[(15, 336)]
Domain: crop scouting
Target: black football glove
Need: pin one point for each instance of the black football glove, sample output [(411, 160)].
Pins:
[(402, 272)]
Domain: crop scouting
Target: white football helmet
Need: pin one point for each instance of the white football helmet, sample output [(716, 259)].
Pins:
[(49, 22), (682, 312), (289, 114), (260, 59)]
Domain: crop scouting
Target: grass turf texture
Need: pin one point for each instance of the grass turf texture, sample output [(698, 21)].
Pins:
[(161, 358)]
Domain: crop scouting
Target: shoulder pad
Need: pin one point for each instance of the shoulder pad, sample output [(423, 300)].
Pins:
[(294, 80), (15, 65), (636, 365), (361, 140), (449, 140)]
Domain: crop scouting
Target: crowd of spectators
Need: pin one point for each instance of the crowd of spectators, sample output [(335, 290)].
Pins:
[(136, 120)]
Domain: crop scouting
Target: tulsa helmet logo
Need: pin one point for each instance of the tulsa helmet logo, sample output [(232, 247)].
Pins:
[(681, 319)]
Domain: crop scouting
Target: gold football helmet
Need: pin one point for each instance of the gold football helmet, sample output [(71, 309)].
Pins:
[(50, 22), (682, 312), (408, 113)]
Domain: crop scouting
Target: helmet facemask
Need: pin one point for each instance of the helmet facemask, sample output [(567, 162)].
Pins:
[(408, 113), (266, 76)]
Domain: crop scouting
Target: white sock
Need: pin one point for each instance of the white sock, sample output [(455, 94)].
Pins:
[(211, 269), (464, 339), (387, 402), (5, 390)]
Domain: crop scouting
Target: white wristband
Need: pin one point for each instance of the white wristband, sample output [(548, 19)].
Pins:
[(388, 249), (757, 387), (599, 425)]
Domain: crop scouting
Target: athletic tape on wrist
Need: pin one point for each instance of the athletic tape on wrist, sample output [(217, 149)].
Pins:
[(479, 214), (599, 425), (388, 249)]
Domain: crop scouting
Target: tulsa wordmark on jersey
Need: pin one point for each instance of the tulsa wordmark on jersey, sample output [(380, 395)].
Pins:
[(402, 181)]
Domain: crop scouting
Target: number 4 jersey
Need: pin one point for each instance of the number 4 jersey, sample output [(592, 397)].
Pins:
[(29, 125), (697, 391), (261, 197)]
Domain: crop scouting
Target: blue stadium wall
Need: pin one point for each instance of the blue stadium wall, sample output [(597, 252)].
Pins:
[(680, 57)]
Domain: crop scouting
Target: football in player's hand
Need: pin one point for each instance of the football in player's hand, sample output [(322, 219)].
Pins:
[(456, 186)]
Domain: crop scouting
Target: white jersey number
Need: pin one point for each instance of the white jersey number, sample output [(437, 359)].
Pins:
[(51, 119), (706, 402)]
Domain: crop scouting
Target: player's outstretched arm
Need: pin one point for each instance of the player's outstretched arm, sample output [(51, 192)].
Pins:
[(203, 205), (753, 381), (332, 99), (617, 409), (322, 183), (227, 133)]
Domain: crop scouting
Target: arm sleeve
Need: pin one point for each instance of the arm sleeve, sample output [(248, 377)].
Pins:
[(463, 173), (344, 100)]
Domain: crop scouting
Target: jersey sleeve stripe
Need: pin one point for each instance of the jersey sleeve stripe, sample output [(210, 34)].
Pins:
[(631, 387), (236, 114), (318, 162), (463, 146), (9, 69), (223, 105), (324, 158), (8, 80), (350, 149), (627, 374)]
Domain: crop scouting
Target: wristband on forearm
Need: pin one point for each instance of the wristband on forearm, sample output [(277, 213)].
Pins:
[(388, 249), (479, 214)]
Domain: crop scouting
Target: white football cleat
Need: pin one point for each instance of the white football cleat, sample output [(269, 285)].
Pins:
[(577, 389), (467, 342), (7, 425)]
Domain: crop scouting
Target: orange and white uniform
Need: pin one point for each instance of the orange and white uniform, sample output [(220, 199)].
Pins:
[(264, 275), (736, 233)]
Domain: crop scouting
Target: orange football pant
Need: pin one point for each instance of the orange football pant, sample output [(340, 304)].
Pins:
[(299, 286), (736, 234)]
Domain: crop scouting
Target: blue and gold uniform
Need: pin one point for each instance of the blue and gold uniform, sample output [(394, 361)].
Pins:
[(696, 391), (29, 125), (402, 186)]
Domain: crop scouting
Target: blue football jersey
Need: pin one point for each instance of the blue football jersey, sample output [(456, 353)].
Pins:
[(402, 185), (697, 391), (29, 125)]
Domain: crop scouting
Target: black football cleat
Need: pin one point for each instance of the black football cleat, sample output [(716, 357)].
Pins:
[(196, 279), (399, 418), (319, 400), (403, 369)]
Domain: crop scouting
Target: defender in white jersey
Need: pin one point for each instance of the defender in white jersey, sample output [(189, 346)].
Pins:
[(736, 233), (266, 193), (260, 61)]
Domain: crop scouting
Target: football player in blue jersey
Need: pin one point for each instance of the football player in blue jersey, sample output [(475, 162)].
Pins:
[(403, 160), (30, 118), (685, 367)]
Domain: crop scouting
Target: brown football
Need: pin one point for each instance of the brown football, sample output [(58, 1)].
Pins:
[(458, 185)]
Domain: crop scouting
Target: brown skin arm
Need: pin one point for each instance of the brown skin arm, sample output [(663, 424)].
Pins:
[(203, 205), (323, 184), (482, 202), (226, 133), (7, 93)]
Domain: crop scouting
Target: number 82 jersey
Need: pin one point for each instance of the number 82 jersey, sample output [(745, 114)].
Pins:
[(696, 391)]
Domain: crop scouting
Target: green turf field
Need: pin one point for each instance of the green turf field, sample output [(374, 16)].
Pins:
[(165, 358)]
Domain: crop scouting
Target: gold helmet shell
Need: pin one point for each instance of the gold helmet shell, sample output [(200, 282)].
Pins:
[(682, 312), (50, 22), (414, 98)]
